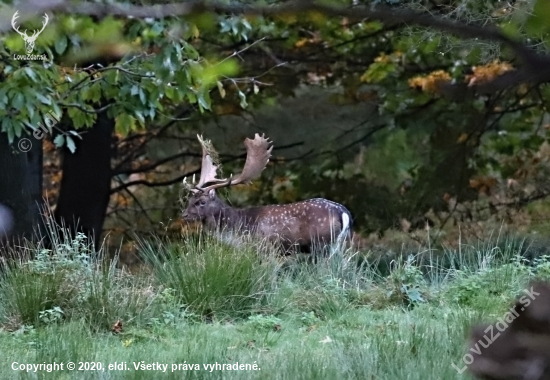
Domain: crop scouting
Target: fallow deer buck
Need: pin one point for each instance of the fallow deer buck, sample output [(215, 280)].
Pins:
[(296, 225)]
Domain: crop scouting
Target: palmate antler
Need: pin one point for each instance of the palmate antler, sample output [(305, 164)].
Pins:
[(257, 157), (208, 168)]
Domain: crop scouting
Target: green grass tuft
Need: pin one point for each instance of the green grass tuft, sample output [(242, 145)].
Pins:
[(211, 278)]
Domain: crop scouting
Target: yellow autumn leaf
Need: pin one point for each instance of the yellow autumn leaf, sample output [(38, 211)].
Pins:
[(301, 42), (221, 90), (195, 31), (463, 137), (488, 72), (431, 82)]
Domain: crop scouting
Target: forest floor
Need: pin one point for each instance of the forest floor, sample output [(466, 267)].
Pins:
[(203, 310)]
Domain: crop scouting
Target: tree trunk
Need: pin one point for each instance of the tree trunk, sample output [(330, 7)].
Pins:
[(34, 173), (86, 181), (21, 185)]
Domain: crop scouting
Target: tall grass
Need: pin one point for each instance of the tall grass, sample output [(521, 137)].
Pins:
[(211, 277), (70, 281)]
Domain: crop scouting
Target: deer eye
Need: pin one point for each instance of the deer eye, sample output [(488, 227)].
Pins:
[(202, 202)]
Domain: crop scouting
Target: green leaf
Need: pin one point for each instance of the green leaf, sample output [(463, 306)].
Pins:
[(70, 144), (43, 99), (378, 71), (413, 294), (109, 30), (221, 90), (3, 96), (18, 101), (78, 117), (203, 102), (190, 51), (539, 22), (57, 110), (6, 124), (61, 44), (243, 102), (10, 135), (172, 93), (30, 73), (142, 96), (59, 141), (191, 97), (94, 92), (17, 129), (140, 118), (210, 74), (511, 29), (35, 119), (30, 109), (124, 123), (204, 21)]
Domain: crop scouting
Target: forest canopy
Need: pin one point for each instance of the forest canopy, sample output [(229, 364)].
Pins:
[(407, 112)]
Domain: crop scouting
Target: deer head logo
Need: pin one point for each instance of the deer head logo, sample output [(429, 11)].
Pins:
[(29, 40)]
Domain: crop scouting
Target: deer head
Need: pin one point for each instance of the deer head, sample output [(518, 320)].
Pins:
[(29, 40), (204, 203)]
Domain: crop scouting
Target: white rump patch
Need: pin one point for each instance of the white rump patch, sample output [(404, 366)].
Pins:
[(345, 228)]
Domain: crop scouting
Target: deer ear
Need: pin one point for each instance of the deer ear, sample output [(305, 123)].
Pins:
[(212, 193)]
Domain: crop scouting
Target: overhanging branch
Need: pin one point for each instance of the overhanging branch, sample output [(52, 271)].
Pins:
[(379, 12), (536, 69)]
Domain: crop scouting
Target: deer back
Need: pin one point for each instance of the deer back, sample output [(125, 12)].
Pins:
[(300, 223)]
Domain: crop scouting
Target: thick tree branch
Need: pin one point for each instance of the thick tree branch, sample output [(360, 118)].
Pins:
[(537, 66)]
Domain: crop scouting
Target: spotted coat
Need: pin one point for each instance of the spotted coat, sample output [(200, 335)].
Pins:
[(298, 224)]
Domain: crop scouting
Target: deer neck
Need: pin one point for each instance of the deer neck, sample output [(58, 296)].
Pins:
[(230, 219), (220, 219)]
